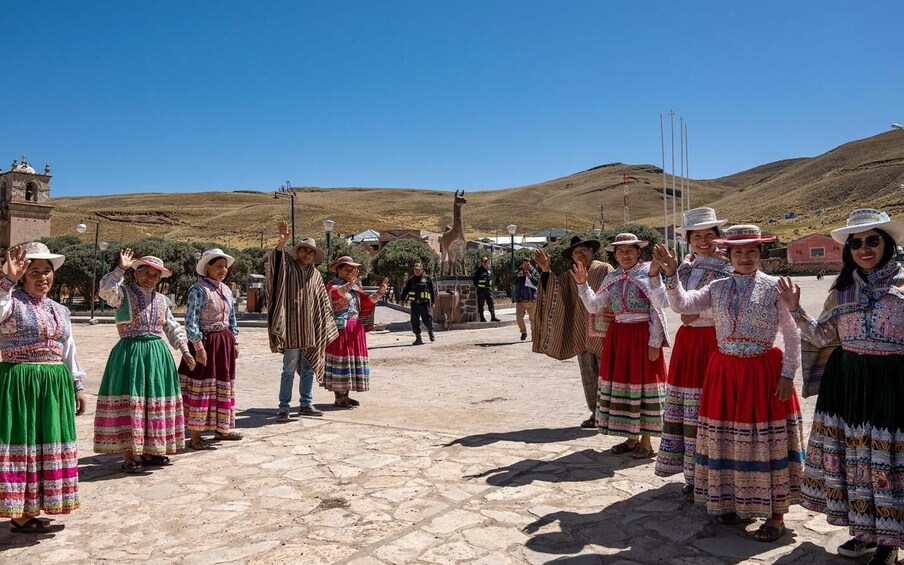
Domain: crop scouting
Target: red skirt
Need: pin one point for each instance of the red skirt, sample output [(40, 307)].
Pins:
[(749, 456), (690, 356), (208, 392), (630, 385), (347, 368)]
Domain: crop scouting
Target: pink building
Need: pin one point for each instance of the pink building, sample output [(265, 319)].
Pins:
[(814, 250)]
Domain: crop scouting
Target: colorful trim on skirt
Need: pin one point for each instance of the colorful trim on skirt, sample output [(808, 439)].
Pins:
[(208, 392), (749, 455), (347, 368), (854, 470), (139, 404), (38, 452), (690, 355), (630, 385)]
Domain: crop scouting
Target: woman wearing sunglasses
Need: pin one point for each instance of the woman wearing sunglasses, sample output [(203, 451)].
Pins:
[(854, 469)]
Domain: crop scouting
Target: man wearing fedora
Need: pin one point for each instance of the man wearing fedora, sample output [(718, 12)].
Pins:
[(563, 328), (300, 320)]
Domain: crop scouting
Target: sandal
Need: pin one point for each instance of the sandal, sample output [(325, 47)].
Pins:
[(731, 518), (769, 534), (343, 403), (231, 436), (641, 452), (132, 467), (199, 445), (688, 492), (33, 526), (155, 460), (352, 401), (624, 447)]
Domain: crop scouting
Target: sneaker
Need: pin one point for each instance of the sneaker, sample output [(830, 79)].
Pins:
[(523, 336), (418, 341), (856, 548), (309, 410), (283, 416), (884, 556)]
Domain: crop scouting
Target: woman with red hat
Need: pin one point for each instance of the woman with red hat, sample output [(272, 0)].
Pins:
[(854, 471), (346, 356), (139, 403), (749, 450)]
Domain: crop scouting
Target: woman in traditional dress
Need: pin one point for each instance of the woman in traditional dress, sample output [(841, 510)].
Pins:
[(40, 394), (749, 449), (632, 368), (854, 469), (208, 390), (346, 356), (139, 404), (694, 343)]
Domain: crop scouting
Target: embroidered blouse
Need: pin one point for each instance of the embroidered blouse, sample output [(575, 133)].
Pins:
[(209, 309), (748, 315), (350, 303), (141, 311), (697, 273), (632, 299), (868, 317), (35, 329)]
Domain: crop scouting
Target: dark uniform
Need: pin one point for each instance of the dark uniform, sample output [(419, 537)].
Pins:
[(483, 280), (419, 293)]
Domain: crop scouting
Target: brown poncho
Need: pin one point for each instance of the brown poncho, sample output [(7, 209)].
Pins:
[(564, 328), (300, 315)]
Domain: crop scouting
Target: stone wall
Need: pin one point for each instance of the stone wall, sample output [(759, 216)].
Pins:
[(467, 298)]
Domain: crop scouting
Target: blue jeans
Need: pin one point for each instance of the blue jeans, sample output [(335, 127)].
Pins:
[(294, 361)]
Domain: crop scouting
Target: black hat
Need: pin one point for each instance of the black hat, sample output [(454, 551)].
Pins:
[(578, 240)]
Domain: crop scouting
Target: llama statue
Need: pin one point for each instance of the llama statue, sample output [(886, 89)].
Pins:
[(452, 242)]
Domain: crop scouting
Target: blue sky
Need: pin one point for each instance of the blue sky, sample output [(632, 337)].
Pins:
[(189, 96)]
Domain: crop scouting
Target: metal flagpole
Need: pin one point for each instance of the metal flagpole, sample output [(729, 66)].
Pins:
[(665, 203), (681, 181), (674, 194), (687, 168)]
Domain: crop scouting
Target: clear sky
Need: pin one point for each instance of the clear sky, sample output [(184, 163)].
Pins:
[(188, 96)]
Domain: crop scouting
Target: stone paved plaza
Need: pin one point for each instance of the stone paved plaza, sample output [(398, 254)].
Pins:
[(466, 450)]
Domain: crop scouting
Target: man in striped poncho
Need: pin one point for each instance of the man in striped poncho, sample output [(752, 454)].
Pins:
[(563, 327), (299, 319)]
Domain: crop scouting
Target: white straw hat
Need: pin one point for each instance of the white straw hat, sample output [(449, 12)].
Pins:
[(37, 250), (211, 255), (866, 219), (744, 234), (699, 219), (626, 239)]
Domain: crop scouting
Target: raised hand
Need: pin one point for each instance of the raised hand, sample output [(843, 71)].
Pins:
[(579, 273), (16, 263), (283, 234), (789, 292), (542, 260), (655, 266), (125, 258), (384, 285), (665, 258)]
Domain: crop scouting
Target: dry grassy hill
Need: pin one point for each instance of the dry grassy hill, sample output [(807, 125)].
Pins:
[(867, 172)]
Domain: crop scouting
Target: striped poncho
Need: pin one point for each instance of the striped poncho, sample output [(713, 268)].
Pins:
[(300, 315)]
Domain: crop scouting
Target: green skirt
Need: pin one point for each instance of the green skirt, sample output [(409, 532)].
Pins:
[(38, 454), (139, 404)]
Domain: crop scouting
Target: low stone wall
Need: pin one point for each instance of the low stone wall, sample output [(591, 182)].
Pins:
[(467, 299)]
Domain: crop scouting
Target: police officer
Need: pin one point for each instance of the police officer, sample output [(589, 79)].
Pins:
[(419, 292), (483, 280)]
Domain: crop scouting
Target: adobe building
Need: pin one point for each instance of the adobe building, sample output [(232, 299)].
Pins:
[(24, 204), (817, 252)]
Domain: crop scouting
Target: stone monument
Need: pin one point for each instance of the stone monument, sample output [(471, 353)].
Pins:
[(452, 242), (453, 279)]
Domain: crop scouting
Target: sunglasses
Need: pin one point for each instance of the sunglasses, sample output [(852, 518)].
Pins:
[(872, 242)]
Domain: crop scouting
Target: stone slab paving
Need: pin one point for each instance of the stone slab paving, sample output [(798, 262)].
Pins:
[(466, 450)]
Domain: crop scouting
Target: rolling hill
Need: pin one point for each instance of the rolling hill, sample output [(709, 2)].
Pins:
[(820, 190)]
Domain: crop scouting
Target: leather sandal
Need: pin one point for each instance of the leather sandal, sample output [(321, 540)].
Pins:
[(641, 452), (624, 447), (769, 534)]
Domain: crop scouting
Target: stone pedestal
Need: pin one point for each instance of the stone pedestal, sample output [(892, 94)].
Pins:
[(467, 293)]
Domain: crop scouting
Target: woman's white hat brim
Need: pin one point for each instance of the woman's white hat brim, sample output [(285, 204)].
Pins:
[(893, 228), (56, 261), (639, 243), (701, 226), (164, 272), (212, 255)]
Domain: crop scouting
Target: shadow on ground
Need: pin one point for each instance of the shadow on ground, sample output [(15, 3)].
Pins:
[(655, 526), (586, 465), (536, 435)]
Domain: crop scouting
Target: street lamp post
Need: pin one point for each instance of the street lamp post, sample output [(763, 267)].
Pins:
[(103, 263), (328, 228), (512, 228), (82, 228), (285, 191)]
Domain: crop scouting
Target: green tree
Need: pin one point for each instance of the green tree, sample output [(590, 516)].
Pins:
[(341, 247), (396, 258), (642, 232)]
